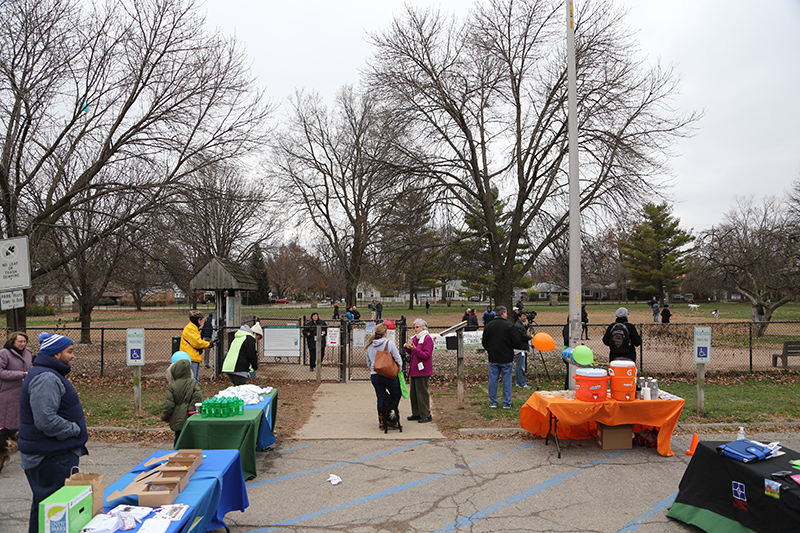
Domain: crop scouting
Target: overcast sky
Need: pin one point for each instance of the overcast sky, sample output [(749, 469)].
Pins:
[(739, 61)]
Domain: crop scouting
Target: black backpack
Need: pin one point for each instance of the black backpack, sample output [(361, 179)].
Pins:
[(620, 338)]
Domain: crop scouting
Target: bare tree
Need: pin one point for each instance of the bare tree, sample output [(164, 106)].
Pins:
[(292, 271), (755, 248), (487, 99), (334, 162), (90, 87)]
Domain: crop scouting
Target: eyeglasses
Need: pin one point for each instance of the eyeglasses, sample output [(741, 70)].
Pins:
[(417, 326)]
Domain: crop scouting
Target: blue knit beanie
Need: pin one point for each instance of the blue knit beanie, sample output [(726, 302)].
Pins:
[(52, 343)]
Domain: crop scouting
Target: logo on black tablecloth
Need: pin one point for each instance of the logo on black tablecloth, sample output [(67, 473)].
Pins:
[(739, 495)]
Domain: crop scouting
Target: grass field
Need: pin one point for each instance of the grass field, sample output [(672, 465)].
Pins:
[(439, 314)]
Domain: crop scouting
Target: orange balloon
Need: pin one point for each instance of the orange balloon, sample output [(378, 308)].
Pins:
[(543, 342)]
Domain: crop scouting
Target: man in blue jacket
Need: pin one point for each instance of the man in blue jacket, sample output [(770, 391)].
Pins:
[(52, 429)]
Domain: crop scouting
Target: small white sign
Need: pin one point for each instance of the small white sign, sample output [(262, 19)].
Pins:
[(333, 336), (15, 264), (135, 346), (12, 300), (702, 344)]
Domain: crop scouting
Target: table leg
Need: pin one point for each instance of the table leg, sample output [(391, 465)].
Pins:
[(552, 429)]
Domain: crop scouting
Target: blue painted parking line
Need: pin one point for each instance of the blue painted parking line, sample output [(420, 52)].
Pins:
[(633, 525), (387, 492), (486, 511), (322, 468), (293, 448)]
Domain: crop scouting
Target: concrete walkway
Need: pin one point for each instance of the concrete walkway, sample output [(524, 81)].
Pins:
[(349, 411)]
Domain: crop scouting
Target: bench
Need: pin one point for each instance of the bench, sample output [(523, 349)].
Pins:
[(790, 349)]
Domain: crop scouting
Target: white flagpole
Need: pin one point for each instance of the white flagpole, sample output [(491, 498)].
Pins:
[(574, 196)]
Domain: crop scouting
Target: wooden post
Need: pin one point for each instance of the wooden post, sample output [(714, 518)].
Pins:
[(460, 367), (701, 392), (137, 390)]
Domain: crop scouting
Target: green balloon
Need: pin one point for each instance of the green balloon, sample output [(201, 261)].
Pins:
[(583, 355)]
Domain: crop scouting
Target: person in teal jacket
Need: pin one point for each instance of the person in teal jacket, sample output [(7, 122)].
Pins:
[(242, 358)]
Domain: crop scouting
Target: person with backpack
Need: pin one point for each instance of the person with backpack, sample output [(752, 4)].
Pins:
[(665, 314), (622, 338)]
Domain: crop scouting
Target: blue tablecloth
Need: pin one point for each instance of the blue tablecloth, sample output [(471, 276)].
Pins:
[(216, 488), (266, 437)]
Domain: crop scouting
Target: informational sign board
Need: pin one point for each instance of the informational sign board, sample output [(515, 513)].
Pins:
[(12, 300), (135, 346), (359, 337), (472, 340), (15, 264), (282, 341), (702, 344), (333, 336)]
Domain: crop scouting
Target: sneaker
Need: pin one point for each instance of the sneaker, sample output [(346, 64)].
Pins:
[(526, 387), (412, 417), (425, 420), (208, 366), (507, 407), (492, 407)]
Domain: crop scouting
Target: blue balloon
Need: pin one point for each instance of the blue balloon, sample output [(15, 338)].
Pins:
[(177, 356)]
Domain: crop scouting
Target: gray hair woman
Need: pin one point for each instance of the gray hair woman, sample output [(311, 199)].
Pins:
[(420, 348), (383, 386)]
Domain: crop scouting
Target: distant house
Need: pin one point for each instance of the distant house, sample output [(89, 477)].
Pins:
[(548, 290)]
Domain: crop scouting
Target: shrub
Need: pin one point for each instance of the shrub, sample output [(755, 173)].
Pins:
[(106, 301), (38, 309)]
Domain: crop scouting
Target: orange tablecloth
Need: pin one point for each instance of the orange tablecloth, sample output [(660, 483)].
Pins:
[(578, 419)]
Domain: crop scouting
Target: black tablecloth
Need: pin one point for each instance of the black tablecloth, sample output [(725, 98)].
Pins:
[(719, 494)]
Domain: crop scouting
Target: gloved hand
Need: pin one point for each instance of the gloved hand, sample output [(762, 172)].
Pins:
[(213, 343)]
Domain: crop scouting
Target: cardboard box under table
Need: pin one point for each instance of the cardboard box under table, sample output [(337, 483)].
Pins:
[(247, 432), (215, 488), (721, 495), (67, 510), (547, 414)]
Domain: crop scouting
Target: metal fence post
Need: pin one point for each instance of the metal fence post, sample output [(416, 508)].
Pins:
[(102, 350), (750, 328)]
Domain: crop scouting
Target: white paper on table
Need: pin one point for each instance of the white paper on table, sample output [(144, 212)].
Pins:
[(155, 525), (138, 512)]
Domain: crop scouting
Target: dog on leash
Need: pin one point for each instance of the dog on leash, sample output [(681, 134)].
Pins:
[(8, 445)]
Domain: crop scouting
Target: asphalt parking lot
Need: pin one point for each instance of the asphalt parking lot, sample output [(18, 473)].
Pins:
[(422, 482)]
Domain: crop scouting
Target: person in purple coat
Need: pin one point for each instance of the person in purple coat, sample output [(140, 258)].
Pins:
[(15, 361), (420, 348)]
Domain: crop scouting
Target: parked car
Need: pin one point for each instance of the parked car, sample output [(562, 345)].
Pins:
[(678, 298), (474, 299), (282, 301)]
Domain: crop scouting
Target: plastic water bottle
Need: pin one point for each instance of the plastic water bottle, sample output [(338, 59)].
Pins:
[(646, 392), (741, 435), (654, 389), (204, 409), (240, 407)]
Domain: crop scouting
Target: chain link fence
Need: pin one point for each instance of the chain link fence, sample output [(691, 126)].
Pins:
[(666, 349)]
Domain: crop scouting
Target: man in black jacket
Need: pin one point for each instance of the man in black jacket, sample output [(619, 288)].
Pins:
[(499, 338), (622, 338), (521, 350)]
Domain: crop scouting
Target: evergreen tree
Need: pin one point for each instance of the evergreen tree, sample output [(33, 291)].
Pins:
[(258, 269), (654, 254)]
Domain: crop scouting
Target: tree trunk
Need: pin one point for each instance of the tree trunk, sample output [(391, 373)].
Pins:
[(85, 309)]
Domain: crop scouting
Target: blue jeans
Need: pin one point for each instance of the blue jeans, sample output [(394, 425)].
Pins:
[(655, 315), (195, 370), (521, 356), (45, 479), (495, 369)]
